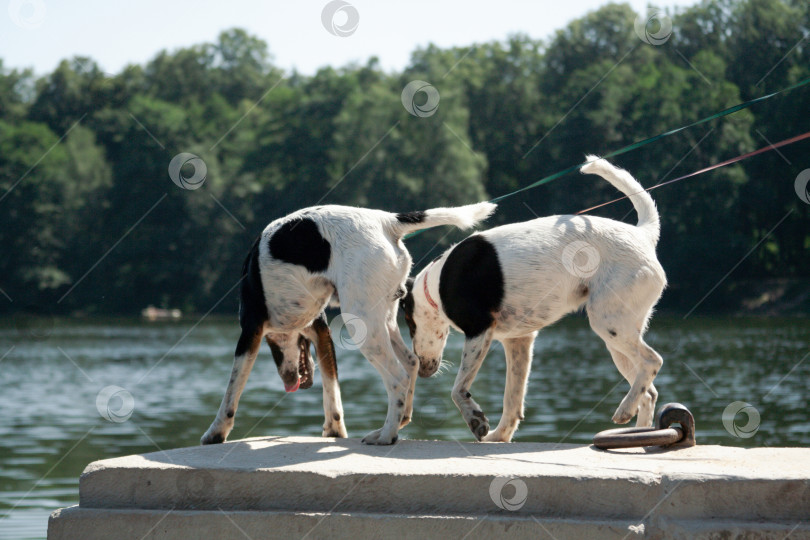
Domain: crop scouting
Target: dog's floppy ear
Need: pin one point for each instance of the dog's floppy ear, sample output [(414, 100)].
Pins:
[(407, 305), (324, 347), (406, 301)]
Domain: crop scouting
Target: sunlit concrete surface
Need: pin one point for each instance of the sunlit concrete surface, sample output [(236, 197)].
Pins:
[(292, 487)]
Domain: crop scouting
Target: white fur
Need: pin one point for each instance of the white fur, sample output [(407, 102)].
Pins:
[(552, 266), (366, 273)]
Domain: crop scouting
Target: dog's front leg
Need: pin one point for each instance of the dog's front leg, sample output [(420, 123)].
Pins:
[(475, 349), (246, 351), (333, 425), (518, 364)]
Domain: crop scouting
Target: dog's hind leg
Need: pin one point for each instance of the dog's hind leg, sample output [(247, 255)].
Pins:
[(648, 364), (518, 364), (247, 349), (334, 425), (621, 327), (377, 348), (475, 349), (646, 407), (411, 364), (397, 385)]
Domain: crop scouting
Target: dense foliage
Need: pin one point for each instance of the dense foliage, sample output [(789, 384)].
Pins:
[(90, 220)]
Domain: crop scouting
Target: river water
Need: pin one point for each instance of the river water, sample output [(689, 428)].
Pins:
[(171, 376)]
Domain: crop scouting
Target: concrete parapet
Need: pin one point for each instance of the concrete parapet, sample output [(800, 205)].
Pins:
[(287, 487)]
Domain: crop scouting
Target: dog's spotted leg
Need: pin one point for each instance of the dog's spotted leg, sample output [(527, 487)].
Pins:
[(411, 364), (334, 425), (475, 349), (379, 351), (518, 364), (246, 351)]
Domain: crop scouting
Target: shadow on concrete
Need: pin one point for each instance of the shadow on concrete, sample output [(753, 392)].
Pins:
[(291, 453)]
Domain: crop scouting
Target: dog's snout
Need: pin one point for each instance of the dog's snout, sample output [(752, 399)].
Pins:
[(291, 380), (428, 366)]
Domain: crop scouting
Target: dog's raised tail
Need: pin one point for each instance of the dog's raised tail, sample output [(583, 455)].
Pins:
[(648, 218), (462, 217)]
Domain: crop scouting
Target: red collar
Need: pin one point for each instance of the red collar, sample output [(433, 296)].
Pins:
[(425, 287)]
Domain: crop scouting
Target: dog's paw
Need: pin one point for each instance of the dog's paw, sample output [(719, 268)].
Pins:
[(212, 438), (376, 437), (479, 424), (217, 432), (337, 430), (333, 425), (624, 413), (496, 436)]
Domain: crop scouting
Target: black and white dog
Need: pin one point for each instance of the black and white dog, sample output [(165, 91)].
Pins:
[(508, 282), (302, 262)]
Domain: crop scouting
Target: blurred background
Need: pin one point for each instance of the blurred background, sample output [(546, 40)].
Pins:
[(88, 206), (144, 147)]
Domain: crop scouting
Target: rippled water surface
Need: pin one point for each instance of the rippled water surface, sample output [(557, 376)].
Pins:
[(52, 371)]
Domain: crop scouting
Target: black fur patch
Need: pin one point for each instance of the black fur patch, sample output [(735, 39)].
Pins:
[(407, 306), (325, 348), (471, 286), (411, 217), (252, 306), (299, 242), (278, 354), (216, 439)]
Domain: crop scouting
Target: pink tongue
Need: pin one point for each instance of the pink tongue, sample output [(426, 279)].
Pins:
[(292, 387)]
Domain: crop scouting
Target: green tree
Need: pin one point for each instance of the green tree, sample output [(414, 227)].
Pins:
[(88, 206), (47, 189)]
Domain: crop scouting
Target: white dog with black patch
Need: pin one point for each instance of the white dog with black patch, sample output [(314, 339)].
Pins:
[(338, 254), (508, 282)]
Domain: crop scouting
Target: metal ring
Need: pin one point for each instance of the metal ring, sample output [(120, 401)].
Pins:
[(663, 434), (637, 437)]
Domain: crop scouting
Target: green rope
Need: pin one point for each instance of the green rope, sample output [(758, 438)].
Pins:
[(639, 144), (645, 142)]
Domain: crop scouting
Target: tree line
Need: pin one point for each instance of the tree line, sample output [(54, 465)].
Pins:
[(91, 222)]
